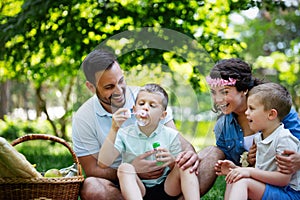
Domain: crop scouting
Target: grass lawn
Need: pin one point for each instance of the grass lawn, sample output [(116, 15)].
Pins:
[(46, 154), (217, 191)]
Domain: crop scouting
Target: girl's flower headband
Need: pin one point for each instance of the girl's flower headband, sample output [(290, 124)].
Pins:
[(214, 82)]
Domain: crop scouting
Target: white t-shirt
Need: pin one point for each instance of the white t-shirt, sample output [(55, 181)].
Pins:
[(280, 140)]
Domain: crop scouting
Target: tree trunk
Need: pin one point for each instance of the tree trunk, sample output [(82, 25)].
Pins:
[(4, 95), (42, 107), (59, 130), (64, 119)]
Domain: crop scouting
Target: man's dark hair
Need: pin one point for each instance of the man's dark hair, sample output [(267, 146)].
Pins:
[(97, 60)]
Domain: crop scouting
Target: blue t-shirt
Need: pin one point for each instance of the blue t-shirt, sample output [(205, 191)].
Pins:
[(230, 136)]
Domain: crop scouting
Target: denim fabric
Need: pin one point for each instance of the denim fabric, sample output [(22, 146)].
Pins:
[(230, 137)]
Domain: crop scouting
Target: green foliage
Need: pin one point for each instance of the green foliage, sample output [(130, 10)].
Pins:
[(189, 128), (273, 31), (47, 37), (273, 45), (285, 70), (12, 130), (44, 42), (45, 154)]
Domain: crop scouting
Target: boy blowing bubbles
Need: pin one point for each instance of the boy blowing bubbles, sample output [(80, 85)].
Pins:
[(131, 141)]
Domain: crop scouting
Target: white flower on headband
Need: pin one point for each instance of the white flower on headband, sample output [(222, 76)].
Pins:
[(214, 82)]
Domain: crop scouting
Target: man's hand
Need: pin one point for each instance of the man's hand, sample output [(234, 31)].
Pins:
[(188, 159), (288, 162), (147, 169), (222, 167), (252, 155)]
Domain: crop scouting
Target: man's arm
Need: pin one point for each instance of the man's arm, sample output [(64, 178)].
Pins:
[(91, 168), (188, 157), (185, 145)]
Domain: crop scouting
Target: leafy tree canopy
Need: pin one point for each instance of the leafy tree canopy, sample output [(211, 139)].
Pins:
[(45, 41)]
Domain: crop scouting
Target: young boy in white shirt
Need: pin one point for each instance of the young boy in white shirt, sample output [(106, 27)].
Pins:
[(267, 104)]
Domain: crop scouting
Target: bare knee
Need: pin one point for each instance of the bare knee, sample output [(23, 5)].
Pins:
[(242, 184), (246, 182), (125, 168), (98, 188)]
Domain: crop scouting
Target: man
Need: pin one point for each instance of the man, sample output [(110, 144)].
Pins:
[(92, 122)]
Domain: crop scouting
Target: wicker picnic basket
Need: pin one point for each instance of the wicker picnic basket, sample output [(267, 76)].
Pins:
[(63, 188)]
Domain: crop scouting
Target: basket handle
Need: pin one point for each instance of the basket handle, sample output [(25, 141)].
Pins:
[(52, 138)]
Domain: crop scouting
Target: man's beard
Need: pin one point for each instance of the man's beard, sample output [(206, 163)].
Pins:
[(109, 102)]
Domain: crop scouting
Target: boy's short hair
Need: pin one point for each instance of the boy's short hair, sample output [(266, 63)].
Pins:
[(97, 60), (274, 96), (157, 89)]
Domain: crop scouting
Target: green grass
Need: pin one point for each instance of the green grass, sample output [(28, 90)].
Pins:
[(46, 154), (217, 191)]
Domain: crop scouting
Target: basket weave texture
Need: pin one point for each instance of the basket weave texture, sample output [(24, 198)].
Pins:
[(62, 188)]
